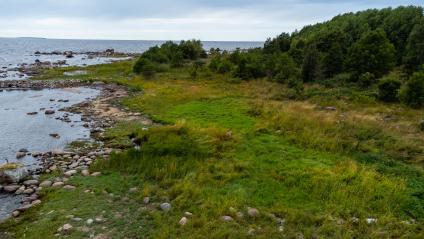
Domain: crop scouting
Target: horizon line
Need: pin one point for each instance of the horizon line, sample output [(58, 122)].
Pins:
[(105, 39)]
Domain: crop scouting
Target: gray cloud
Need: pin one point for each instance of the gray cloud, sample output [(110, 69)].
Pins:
[(171, 19)]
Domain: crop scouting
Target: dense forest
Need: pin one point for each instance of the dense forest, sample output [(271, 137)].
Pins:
[(381, 49)]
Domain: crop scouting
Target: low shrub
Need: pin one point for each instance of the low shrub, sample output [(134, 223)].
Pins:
[(388, 89), (412, 93)]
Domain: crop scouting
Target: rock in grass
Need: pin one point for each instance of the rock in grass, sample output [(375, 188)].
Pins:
[(89, 221), (371, 220), (253, 212), (166, 207), (183, 221), (69, 187), (227, 218), (65, 228), (85, 172), (146, 200), (15, 213), (96, 174), (46, 184), (36, 202), (58, 184), (70, 173)]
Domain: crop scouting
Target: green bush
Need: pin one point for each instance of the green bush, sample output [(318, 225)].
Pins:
[(412, 93), (169, 53), (388, 89), (367, 79), (286, 68), (145, 67), (192, 49)]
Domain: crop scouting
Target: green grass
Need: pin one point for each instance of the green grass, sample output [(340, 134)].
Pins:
[(224, 146)]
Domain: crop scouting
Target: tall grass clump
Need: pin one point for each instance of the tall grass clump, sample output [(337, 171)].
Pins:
[(168, 152)]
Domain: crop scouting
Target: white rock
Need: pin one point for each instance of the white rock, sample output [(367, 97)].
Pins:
[(371, 220), (227, 218), (70, 173), (65, 228), (183, 221)]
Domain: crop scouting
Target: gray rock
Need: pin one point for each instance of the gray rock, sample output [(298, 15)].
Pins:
[(166, 207), (36, 202), (85, 172), (46, 184), (32, 182), (28, 191), (70, 173), (69, 187), (11, 188), (146, 200), (13, 176), (23, 208), (20, 155), (49, 112), (58, 184), (65, 228), (15, 213)]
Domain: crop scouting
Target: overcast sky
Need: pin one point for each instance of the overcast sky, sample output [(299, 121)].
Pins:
[(171, 19)]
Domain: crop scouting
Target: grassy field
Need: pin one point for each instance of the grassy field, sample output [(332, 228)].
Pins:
[(225, 146)]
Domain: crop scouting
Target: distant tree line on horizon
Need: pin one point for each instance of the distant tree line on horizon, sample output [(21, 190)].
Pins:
[(373, 48)]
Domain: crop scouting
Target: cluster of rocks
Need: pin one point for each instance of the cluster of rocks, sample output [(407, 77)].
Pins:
[(68, 164), (41, 84), (90, 54)]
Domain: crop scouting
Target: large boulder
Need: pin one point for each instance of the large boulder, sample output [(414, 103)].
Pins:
[(13, 176)]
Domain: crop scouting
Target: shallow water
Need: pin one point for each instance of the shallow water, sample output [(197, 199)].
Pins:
[(19, 130), (32, 132), (8, 203)]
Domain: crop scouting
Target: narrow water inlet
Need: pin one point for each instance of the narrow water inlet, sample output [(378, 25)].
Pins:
[(25, 126)]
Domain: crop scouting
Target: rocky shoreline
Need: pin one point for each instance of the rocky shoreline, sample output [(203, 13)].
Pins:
[(98, 115), (41, 84), (26, 70)]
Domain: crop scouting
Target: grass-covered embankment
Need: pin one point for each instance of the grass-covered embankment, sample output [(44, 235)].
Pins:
[(226, 145)]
